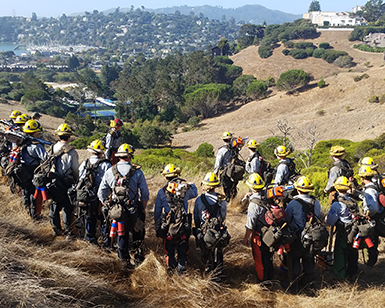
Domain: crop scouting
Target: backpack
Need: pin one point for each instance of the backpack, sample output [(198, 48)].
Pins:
[(18, 173), (175, 226), (293, 173), (266, 170), (45, 174), (122, 206), (112, 132), (346, 169), (236, 169), (85, 192), (278, 233), (380, 217), (215, 234), (314, 236)]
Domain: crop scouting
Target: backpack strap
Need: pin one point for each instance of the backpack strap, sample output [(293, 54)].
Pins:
[(308, 207), (211, 207), (128, 176), (265, 206)]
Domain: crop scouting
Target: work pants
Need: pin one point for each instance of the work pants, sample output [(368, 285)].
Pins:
[(297, 256), (263, 258), (229, 187), (137, 239), (345, 257), (54, 213), (171, 249)]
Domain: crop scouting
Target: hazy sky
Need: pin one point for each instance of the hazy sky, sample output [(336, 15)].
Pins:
[(56, 8)]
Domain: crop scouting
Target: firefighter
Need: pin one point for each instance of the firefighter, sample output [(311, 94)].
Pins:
[(113, 140), (263, 257), (162, 204), (93, 169), (32, 155), (209, 216), (66, 167), (133, 202)]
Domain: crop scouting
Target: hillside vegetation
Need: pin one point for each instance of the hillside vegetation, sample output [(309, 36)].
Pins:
[(339, 110)]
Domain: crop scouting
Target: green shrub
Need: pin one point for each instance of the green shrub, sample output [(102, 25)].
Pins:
[(265, 51), (205, 150), (382, 99), (374, 99), (321, 84), (368, 48), (359, 78), (152, 136), (241, 83), (270, 81), (193, 121), (82, 143), (286, 52), (56, 111), (309, 51), (292, 79), (317, 53), (289, 44), (298, 54), (304, 45), (344, 61), (256, 89), (324, 45), (321, 112), (331, 55), (154, 160)]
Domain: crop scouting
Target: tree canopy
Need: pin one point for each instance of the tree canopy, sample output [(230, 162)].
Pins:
[(314, 6)]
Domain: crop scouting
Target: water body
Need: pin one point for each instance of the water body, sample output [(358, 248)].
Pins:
[(11, 46)]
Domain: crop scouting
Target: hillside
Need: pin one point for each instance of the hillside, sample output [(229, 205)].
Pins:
[(254, 14), (347, 113)]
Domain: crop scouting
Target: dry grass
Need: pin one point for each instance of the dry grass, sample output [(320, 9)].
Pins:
[(38, 270)]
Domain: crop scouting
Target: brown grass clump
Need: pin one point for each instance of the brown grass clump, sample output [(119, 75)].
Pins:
[(38, 270)]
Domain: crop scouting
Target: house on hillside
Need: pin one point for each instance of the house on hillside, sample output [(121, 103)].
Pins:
[(336, 19), (375, 39), (216, 51)]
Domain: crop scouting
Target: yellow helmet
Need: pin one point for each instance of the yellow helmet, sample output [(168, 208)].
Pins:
[(303, 184), (227, 135), (366, 171), (125, 150), (255, 181), (337, 151), (170, 171), (15, 114), (368, 161), (281, 151), (116, 122), (64, 129), (252, 144), (31, 126), (211, 179), (27, 116), (342, 184), (21, 119), (96, 146)]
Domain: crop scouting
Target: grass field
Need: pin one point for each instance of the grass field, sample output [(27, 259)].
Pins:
[(38, 270)]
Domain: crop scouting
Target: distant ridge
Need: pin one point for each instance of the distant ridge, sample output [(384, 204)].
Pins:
[(252, 13)]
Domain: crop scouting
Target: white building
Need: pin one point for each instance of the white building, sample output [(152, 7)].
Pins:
[(333, 19)]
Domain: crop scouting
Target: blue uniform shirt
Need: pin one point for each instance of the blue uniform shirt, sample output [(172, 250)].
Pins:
[(161, 202), (200, 210), (137, 183), (296, 216)]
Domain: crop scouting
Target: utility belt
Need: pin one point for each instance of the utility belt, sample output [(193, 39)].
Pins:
[(129, 212)]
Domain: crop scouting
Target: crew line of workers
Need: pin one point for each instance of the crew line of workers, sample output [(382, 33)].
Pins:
[(108, 187)]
